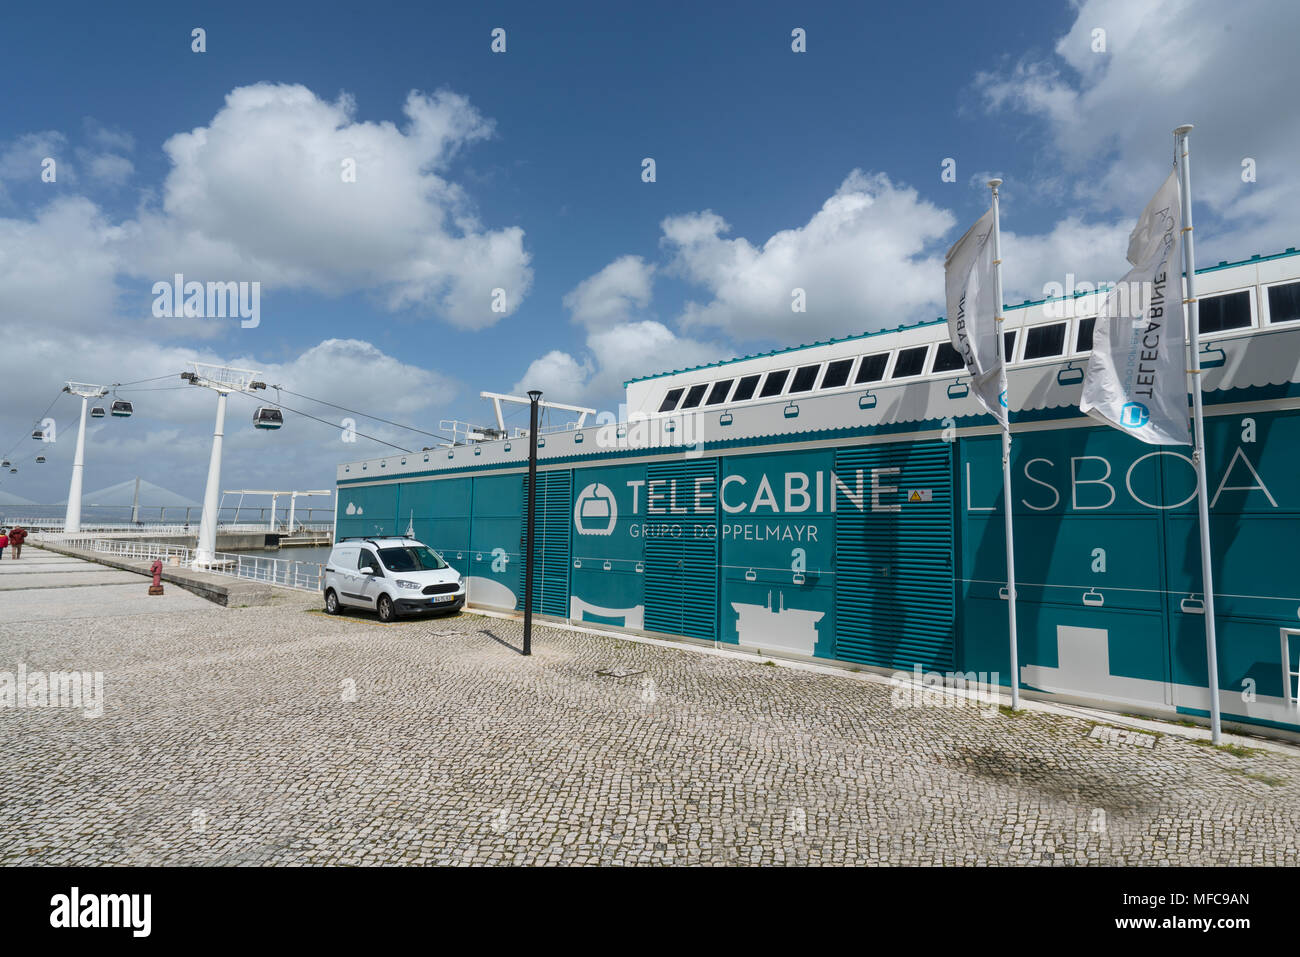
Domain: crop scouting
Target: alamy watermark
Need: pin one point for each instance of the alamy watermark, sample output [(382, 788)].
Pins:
[(637, 430), (1133, 298), (126, 911), (213, 300), (53, 689), (933, 689)]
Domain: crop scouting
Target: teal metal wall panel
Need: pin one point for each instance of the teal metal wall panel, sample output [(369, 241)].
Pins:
[(681, 548), (552, 540), (367, 510), (1250, 655), (894, 605), (777, 552), (493, 561), (1253, 463), (1090, 558), (1252, 469), (606, 583), (1108, 556), (439, 513), (797, 551)]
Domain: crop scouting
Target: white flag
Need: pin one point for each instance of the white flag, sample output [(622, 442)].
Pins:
[(1137, 374), (972, 312)]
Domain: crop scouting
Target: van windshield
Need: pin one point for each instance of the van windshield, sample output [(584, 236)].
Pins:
[(411, 558)]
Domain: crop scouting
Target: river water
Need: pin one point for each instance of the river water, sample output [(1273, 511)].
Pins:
[(315, 554)]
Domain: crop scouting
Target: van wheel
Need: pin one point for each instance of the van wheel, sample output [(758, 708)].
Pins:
[(385, 608), (331, 602)]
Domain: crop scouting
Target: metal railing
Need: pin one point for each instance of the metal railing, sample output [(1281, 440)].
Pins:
[(54, 533), (139, 551), (284, 572), (113, 516), (69, 541)]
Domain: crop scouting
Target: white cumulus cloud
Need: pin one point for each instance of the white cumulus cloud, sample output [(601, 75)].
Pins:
[(613, 293), (286, 188), (866, 260), (1108, 116), (622, 341)]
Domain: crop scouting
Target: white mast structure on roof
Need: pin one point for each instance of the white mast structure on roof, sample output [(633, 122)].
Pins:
[(498, 397)]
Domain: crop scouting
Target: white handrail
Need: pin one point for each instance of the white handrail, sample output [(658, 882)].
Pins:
[(284, 572)]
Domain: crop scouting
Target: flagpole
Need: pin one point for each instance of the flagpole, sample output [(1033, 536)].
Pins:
[(1006, 445), (1192, 312)]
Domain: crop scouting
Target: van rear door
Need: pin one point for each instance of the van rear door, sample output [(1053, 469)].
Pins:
[(342, 571)]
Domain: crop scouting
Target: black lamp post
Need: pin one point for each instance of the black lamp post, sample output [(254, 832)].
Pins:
[(534, 396)]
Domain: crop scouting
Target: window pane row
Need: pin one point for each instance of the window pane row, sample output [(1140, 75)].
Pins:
[(1217, 314)]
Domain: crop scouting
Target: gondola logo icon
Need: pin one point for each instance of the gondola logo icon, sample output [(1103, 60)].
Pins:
[(1134, 415), (596, 511)]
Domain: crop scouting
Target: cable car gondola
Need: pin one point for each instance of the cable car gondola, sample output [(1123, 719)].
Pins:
[(40, 460), (267, 418), (4, 464), (122, 408), (37, 434), (97, 412), (13, 471)]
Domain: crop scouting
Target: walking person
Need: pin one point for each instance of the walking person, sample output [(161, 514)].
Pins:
[(17, 535), (4, 542)]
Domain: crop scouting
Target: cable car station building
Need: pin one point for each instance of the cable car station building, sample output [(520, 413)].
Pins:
[(842, 502)]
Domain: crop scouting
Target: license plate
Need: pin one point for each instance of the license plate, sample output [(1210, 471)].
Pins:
[(439, 598)]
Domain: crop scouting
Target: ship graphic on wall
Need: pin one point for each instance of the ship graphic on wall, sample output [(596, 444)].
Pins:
[(786, 629)]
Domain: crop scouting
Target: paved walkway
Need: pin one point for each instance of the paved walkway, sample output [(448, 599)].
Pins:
[(278, 735), (44, 585)]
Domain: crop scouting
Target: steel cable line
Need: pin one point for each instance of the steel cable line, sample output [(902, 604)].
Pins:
[(38, 419), (165, 388), (31, 457), (115, 386), (61, 393), (279, 389), (332, 425), (138, 381), (364, 415)]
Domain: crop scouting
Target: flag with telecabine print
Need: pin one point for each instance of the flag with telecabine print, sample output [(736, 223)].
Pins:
[(1137, 373), (972, 312)]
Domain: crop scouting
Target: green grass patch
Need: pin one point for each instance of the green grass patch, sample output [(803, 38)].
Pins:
[(1236, 750), (1272, 780)]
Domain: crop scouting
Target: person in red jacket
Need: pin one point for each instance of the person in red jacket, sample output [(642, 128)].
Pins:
[(4, 542), (17, 535)]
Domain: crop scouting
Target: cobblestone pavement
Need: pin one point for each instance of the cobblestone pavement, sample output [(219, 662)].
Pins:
[(278, 735)]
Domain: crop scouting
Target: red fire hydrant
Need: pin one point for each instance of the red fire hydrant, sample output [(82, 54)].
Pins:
[(156, 588)]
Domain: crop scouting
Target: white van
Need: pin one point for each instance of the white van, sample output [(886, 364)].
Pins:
[(393, 576)]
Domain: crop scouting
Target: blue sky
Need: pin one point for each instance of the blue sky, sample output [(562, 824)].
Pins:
[(774, 169)]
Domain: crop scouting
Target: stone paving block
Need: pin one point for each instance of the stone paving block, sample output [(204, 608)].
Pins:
[(281, 736)]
